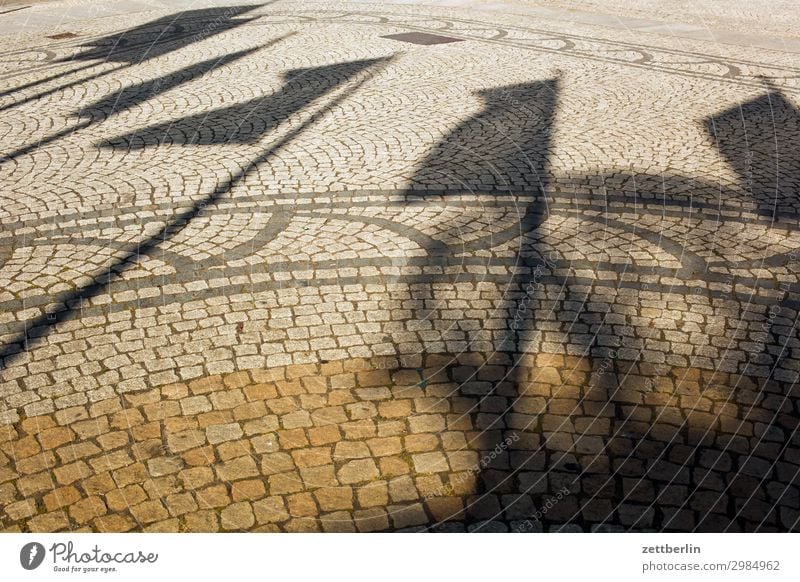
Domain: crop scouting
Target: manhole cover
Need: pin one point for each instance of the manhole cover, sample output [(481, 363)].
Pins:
[(62, 35), (422, 38)]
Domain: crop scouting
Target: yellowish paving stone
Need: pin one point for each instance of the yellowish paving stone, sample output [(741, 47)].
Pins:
[(379, 285)]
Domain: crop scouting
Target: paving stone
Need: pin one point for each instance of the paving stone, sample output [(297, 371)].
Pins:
[(369, 520), (248, 489), (87, 509), (125, 497), (302, 505), (149, 511), (337, 522), (446, 508), (185, 440), (164, 466), (374, 494), (312, 457), (270, 510), (351, 450), (358, 471), (61, 497), (237, 516), (201, 522), (21, 510), (285, 483), (276, 463), (223, 432), (215, 496), (68, 474), (430, 462), (402, 489), (334, 498), (49, 522), (408, 515), (240, 468)]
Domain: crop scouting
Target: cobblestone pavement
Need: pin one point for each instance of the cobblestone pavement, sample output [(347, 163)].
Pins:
[(768, 16), (360, 267)]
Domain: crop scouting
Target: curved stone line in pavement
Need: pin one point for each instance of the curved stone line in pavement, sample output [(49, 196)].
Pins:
[(49, 55), (153, 294), (637, 203), (691, 263), (547, 34), (733, 73), (189, 269), (281, 215)]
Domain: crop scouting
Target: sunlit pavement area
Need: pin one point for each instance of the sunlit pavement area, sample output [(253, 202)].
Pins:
[(306, 266)]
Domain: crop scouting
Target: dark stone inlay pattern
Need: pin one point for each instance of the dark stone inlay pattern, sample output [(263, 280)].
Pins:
[(422, 38)]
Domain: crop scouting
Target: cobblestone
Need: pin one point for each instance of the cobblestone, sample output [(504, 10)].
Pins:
[(384, 286)]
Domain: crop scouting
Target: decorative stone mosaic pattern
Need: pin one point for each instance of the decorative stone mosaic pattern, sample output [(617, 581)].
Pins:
[(268, 268)]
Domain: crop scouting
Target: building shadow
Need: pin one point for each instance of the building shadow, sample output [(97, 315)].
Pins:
[(143, 43)]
